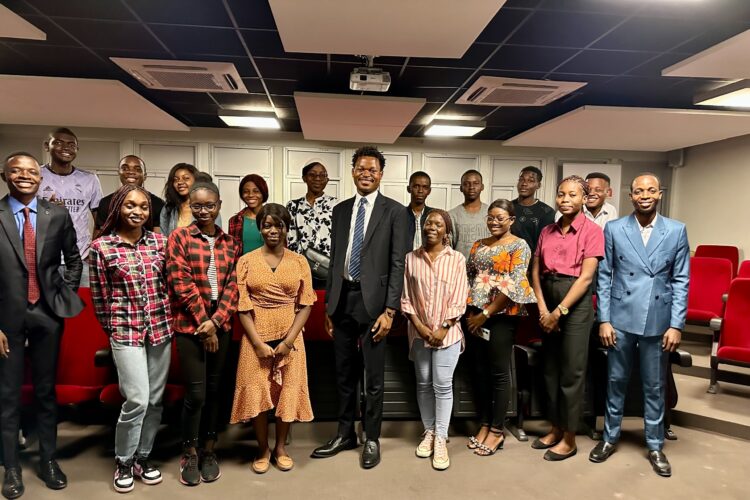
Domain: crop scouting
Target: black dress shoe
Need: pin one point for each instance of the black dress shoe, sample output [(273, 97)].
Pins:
[(660, 463), (538, 444), (334, 446), (53, 477), (13, 483), (601, 452), (551, 456), (669, 434), (370, 454)]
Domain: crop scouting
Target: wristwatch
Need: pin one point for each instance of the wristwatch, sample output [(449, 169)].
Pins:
[(446, 325), (486, 313), (563, 310)]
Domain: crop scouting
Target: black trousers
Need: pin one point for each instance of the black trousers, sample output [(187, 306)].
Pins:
[(491, 369), (353, 346), (566, 355), (201, 373), (43, 331)]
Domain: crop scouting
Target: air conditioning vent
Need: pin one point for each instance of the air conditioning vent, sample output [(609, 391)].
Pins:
[(497, 91), (187, 76)]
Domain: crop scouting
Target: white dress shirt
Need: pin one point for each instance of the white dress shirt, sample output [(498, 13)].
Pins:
[(646, 230), (607, 213), (368, 212)]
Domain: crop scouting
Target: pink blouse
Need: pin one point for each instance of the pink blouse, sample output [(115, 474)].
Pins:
[(435, 291), (564, 253)]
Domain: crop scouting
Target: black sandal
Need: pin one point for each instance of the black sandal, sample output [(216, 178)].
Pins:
[(473, 441), (486, 450)]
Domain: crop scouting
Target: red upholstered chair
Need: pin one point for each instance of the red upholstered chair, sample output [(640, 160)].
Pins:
[(732, 332), (315, 328), (744, 271), (709, 281), (732, 254), (78, 378)]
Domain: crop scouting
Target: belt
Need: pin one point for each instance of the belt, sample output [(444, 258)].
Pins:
[(352, 285), (558, 277)]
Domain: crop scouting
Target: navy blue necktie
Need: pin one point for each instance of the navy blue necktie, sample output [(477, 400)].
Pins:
[(359, 237)]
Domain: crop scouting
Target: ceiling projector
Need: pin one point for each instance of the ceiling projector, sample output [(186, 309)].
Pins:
[(369, 80)]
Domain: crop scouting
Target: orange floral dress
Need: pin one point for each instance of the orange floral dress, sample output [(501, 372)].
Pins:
[(273, 298), (500, 269)]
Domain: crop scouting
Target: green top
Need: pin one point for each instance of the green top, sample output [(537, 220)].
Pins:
[(251, 237)]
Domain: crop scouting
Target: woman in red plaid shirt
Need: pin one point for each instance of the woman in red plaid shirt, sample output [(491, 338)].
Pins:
[(129, 291), (203, 291)]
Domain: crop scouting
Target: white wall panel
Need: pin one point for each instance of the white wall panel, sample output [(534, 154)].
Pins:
[(395, 191), (397, 166), (160, 157), (448, 168), (296, 158), (231, 203), (439, 197), (98, 155), (241, 160)]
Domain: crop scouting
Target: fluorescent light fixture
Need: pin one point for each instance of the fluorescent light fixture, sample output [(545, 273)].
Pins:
[(735, 95), (454, 128), (251, 121)]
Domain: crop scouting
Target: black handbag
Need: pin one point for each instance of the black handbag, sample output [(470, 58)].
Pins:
[(319, 264)]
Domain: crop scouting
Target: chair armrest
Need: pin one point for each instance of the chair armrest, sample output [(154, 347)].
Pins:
[(681, 358), (527, 353), (103, 357), (715, 324)]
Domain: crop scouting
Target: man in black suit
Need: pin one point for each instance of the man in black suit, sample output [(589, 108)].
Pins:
[(419, 188), (34, 299), (363, 293)]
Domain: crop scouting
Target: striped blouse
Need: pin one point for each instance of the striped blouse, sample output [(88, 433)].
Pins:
[(435, 291)]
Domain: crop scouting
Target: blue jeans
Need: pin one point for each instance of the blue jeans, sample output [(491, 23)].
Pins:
[(653, 362), (434, 369), (142, 373)]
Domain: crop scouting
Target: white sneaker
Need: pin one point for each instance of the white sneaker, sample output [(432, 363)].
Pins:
[(424, 450), (440, 459), (124, 481)]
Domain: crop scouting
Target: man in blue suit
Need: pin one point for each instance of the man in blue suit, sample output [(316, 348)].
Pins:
[(642, 301)]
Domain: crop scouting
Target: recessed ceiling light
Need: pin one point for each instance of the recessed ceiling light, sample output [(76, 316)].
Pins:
[(735, 95), (251, 121), (454, 128)]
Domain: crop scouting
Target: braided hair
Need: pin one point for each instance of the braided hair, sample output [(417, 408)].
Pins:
[(577, 179), (115, 205)]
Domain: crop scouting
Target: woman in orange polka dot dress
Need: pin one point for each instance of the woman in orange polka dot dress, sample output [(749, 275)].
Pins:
[(276, 295)]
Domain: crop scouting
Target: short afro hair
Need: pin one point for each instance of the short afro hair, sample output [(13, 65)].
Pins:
[(532, 168), (368, 151), (599, 175)]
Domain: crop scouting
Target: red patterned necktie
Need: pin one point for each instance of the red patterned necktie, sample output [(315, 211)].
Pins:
[(29, 252)]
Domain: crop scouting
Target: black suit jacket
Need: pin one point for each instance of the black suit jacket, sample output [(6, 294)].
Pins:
[(412, 223), (383, 251), (55, 236)]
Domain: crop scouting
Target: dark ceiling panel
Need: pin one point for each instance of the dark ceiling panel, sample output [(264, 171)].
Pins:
[(528, 58), (282, 87), (253, 14), (433, 77), (622, 7), (190, 40), (292, 70), (655, 34), (654, 67), (57, 61), (110, 34), (55, 36), (474, 56), (85, 9), (521, 4), (502, 25), (716, 34), (552, 29), (230, 101), (604, 62), (195, 12)]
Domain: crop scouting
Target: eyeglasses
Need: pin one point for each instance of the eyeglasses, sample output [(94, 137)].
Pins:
[(210, 207), (501, 220), (317, 176)]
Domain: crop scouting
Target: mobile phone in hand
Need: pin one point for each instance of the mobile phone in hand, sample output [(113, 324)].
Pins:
[(484, 333)]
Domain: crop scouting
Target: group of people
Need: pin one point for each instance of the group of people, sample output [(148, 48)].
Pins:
[(165, 271)]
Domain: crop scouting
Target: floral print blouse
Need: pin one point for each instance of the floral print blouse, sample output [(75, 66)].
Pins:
[(500, 269), (311, 225)]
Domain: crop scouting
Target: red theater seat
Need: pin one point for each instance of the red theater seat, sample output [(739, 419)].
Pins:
[(732, 254), (78, 379), (744, 271), (709, 281), (315, 328), (732, 332)]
